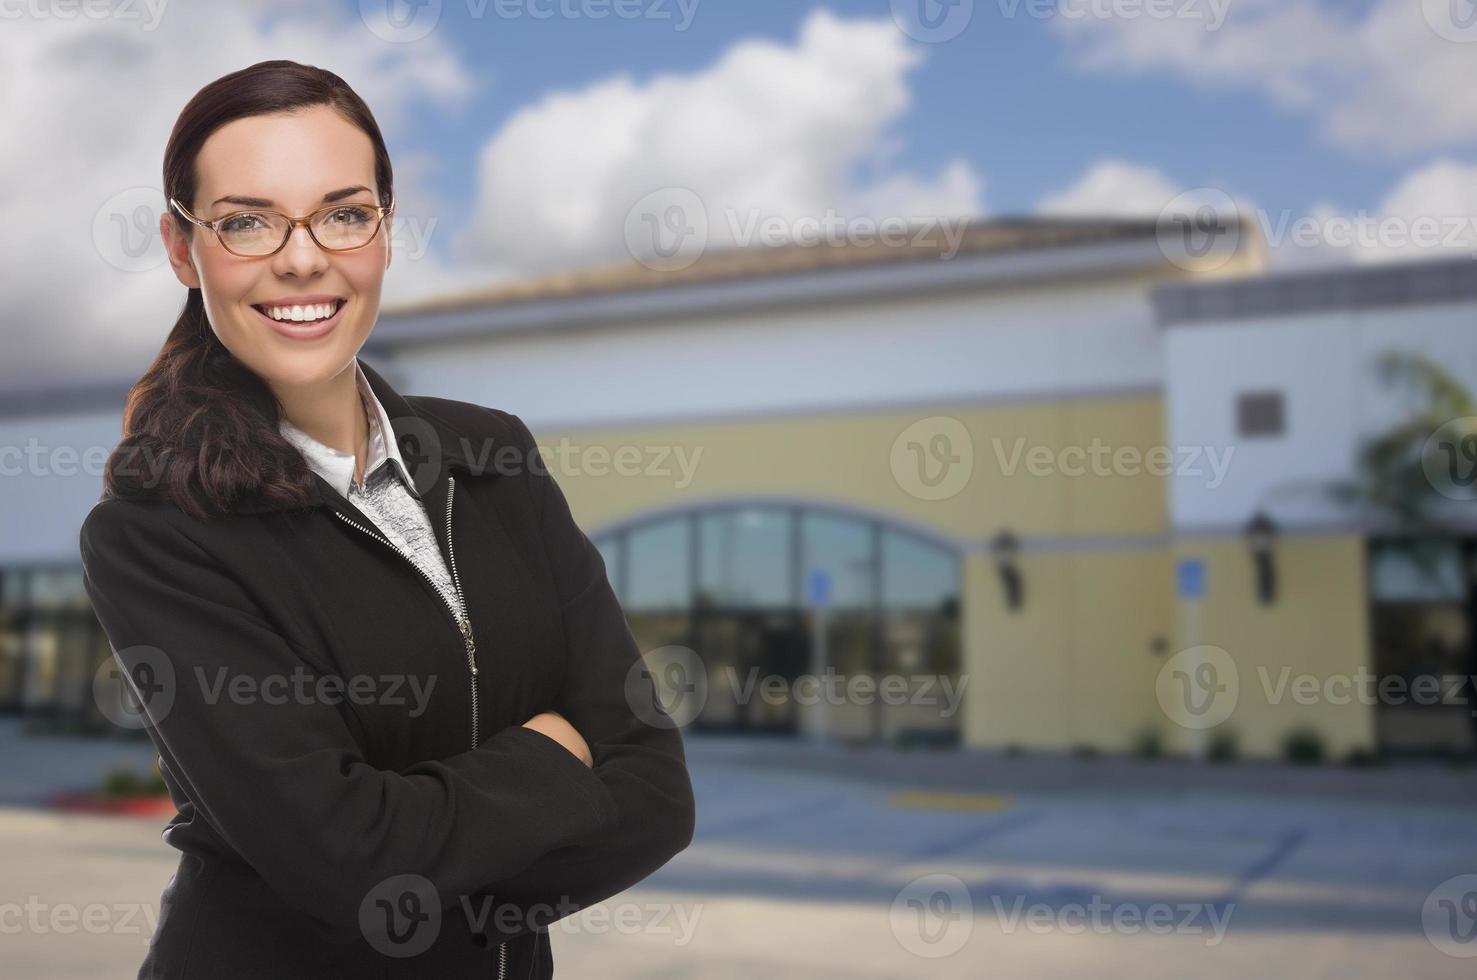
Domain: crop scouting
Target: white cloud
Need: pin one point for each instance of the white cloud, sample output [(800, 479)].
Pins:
[(1384, 78), (1430, 213), (1113, 187), (769, 130), (87, 105)]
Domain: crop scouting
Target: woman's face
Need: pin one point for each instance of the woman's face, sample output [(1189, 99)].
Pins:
[(288, 163)]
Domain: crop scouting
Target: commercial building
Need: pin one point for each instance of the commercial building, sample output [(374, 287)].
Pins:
[(993, 498)]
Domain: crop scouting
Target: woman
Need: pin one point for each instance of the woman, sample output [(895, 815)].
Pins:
[(392, 692)]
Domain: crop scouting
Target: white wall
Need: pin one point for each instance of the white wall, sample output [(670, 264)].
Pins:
[(1030, 343), (1324, 365)]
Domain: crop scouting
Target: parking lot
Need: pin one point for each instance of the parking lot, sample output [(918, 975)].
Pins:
[(809, 864)]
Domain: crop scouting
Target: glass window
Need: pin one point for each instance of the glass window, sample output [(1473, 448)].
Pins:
[(1416, 571), (657, 556), (746, 557), (917, 574), (842, 547)]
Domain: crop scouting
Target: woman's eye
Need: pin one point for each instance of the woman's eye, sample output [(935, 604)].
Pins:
[(242, 222), (349, 216)]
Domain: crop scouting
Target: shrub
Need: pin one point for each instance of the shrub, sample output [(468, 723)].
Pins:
[(1149, 744), (121, 782), (1303, 746), (1086, 751), (1222, 747)]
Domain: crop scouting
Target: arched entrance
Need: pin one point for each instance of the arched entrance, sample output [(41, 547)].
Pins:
[(734, 583)]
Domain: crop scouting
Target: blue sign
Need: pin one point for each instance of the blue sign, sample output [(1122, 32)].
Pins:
[(1190, 578), (818, 587)]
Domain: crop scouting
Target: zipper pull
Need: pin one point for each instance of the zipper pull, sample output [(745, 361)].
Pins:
[(466, 625)]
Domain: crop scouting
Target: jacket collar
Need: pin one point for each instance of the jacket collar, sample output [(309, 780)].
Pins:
[(429, 446)]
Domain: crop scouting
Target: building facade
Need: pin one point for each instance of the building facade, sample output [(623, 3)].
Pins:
[(995, 499)]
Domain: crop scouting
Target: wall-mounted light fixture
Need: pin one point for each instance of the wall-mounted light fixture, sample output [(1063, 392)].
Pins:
[(1261, 536), (1006, 548)]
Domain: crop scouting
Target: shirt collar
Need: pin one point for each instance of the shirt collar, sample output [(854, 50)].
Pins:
[(336, 467)]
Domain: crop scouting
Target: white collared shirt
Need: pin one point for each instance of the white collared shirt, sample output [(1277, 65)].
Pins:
[(387, 494)]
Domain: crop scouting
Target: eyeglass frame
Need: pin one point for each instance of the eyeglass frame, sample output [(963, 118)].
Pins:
[(292, 225)]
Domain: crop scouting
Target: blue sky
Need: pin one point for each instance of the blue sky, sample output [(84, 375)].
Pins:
[(525, 144), (1005, 94), (1300, 108)]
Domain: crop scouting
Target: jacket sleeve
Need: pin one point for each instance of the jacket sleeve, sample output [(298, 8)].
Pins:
[(281, 778), (611, 701)]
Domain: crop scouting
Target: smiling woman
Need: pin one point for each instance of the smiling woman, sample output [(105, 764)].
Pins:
[(276, 586)]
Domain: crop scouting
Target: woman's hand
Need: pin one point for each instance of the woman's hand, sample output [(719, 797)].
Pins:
[(557, 727)]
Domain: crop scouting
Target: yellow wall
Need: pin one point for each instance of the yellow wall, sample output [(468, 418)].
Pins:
[(1078, 664), (1318, 626), (848, 459)]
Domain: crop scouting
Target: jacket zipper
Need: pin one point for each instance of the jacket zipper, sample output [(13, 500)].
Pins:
[(463, 625)]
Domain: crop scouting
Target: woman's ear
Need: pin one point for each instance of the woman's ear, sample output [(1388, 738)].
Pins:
[(177, 245)]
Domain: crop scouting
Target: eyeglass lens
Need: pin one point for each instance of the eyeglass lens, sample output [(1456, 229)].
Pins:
[(261, 232)]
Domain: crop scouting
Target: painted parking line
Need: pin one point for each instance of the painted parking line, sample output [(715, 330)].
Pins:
[(986, 802), (989, 830)]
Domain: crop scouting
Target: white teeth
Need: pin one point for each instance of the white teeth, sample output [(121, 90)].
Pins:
[(315, 311)]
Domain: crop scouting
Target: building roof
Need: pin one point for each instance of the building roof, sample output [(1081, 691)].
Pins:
[(1394, 284), (978, 238), (998, 251)]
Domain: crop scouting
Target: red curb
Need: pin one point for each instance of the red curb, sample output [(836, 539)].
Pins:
[(85, 801)]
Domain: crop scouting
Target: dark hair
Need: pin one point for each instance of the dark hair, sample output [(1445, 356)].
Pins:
[(200, 428)]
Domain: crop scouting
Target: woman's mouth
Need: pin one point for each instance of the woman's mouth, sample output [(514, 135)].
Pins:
[(302, 322)]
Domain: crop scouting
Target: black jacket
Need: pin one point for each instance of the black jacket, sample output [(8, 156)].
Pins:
[(354, 800)]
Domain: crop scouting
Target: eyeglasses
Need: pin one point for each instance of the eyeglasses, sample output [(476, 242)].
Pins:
[(254, 234)]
